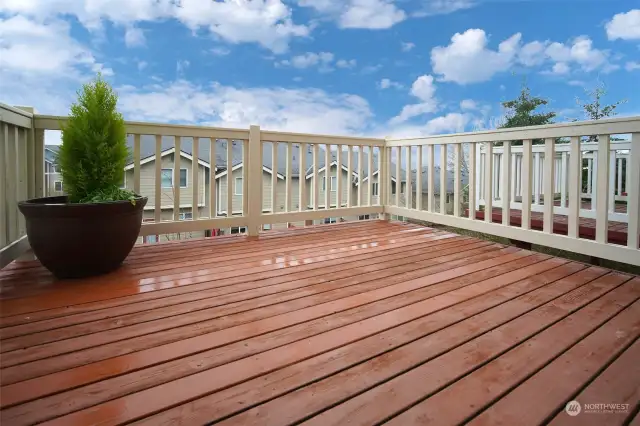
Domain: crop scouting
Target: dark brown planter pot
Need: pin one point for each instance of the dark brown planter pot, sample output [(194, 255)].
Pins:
[(81, 240)]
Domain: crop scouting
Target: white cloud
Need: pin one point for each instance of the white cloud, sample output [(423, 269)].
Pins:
[(441, 7), (450, 123), (220, 51), (532, 54), (406, 47), (468, 60), (632, 66), (142, 65), (577, 83), (266, 22), (370, 69), (134, 37), (559, 68), (301, 110), (343, 63), (424, 89), (368, 14), (625, 26), (385, 83), (468, 104), (579, 51)]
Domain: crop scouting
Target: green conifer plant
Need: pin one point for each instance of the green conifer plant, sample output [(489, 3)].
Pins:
[(94, 151)]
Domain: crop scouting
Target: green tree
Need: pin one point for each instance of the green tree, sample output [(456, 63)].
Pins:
[(94, 150), (521, 112), (596, 109)]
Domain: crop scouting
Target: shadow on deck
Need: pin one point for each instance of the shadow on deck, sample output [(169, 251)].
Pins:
[(357, 323)]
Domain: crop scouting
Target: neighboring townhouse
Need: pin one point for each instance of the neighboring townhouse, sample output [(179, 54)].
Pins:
[(220, 172), (52, 177)]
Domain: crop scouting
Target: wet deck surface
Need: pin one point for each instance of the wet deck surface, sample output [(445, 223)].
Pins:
[(355, 323), (617, 231)]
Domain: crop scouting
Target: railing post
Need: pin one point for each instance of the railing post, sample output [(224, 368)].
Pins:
[(255, 181), (39, 162), (602, 189), (383, 179), (633, 191)]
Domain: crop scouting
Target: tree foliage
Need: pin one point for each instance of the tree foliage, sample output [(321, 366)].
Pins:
[(596, 109), (94, 150), (521, 112)]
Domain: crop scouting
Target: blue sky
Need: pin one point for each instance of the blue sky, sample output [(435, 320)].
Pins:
[(360, 67)]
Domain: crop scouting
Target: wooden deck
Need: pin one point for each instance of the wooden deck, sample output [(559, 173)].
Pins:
[(355, 323), (617, 231)]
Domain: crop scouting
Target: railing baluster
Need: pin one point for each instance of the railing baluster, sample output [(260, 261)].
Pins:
[(443, 178), (177, 156), (506, 183), (612, 181), (627, 180), (136, 163), (419, 177), (157, 209), (633, 191), (302, 181), (23, 184), (381, 168), (255, 176), (327, 177), (4, 142), (431, 177), (488, 194), (575, 186), (513, 176), (316, 192), (195, 174), (245, 177), (563, 180), (549, 160), (457, 187), (213, 209), (350, 175), (536, 178), (339, 176), (370, 174), (13, 173), (230, 179), (526, 184), (408, 191), (288, 193), (602, 189), (471, 170), (274, 177), (398, 177), (619, 178)]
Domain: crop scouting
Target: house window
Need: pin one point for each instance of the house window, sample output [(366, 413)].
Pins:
[(364, 217), (334, 183), (152, 239), (238, 188), (167, 178), (393, 188), (57, 186), (374, 189), (238, 230), (186, 216), (123, 185), (403, 187), (330, 219), (266, 227)]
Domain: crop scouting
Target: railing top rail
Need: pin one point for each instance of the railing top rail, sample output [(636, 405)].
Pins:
[(578, 128), (52, 122), (15, 116), (269, 135)]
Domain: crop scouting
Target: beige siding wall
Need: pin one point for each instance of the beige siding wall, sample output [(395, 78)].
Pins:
[(148, 182), (346, 186)]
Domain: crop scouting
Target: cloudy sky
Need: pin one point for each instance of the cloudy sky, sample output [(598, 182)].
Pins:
[(359, 67)]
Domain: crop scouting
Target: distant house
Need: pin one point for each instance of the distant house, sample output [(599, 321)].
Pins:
[(52, 177), (220, 173)]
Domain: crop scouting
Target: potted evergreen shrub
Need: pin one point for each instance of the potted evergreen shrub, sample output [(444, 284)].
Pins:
[(92, 229)]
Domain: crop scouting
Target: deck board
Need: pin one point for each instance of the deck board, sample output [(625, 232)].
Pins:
[(362, 322)]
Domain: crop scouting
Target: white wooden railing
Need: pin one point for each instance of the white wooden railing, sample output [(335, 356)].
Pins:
[(241, 189), (536, 168), (20, 177), (619, 177)]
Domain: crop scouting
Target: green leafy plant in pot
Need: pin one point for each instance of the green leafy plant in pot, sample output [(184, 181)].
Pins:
[(92, 229)]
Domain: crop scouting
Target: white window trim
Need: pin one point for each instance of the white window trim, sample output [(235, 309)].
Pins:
[(183, 216), (236, 186), (374, 189), (61, 186), (334, 183), (172, 172)]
